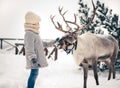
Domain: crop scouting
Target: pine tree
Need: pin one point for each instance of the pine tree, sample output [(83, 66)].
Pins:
[(105, 21)]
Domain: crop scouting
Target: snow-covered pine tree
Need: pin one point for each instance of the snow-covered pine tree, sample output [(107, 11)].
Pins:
[(105, 22)]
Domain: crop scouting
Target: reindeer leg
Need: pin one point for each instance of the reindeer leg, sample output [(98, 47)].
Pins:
[(85, 70), (113, 68), (114, 71), (108, 63), (95, 72), (113, 60)]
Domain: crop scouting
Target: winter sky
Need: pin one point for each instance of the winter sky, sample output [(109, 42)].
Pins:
[(12, 15)]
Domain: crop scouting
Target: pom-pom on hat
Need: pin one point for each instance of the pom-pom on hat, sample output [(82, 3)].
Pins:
[(32, 18)]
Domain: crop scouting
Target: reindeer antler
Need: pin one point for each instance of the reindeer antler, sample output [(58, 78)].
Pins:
[(85, 26), (59, 27), (66, 21), (75, 22), (62, 14), (94, 11)]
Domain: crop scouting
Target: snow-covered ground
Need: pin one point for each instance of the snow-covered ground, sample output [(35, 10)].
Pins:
[(62, 73)]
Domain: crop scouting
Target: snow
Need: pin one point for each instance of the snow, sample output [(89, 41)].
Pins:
[(62, 73)]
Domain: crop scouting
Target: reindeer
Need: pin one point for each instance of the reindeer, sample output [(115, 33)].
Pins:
[(87, 48)]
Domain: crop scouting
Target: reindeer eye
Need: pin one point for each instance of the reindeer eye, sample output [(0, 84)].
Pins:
[(69, 37)]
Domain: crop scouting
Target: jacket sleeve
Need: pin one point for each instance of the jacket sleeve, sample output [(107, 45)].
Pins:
[(29, 40)]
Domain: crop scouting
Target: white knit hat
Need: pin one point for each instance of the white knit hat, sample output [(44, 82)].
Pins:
[(32, 18)]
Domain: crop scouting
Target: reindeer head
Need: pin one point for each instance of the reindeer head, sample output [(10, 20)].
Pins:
[(69, 40)]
